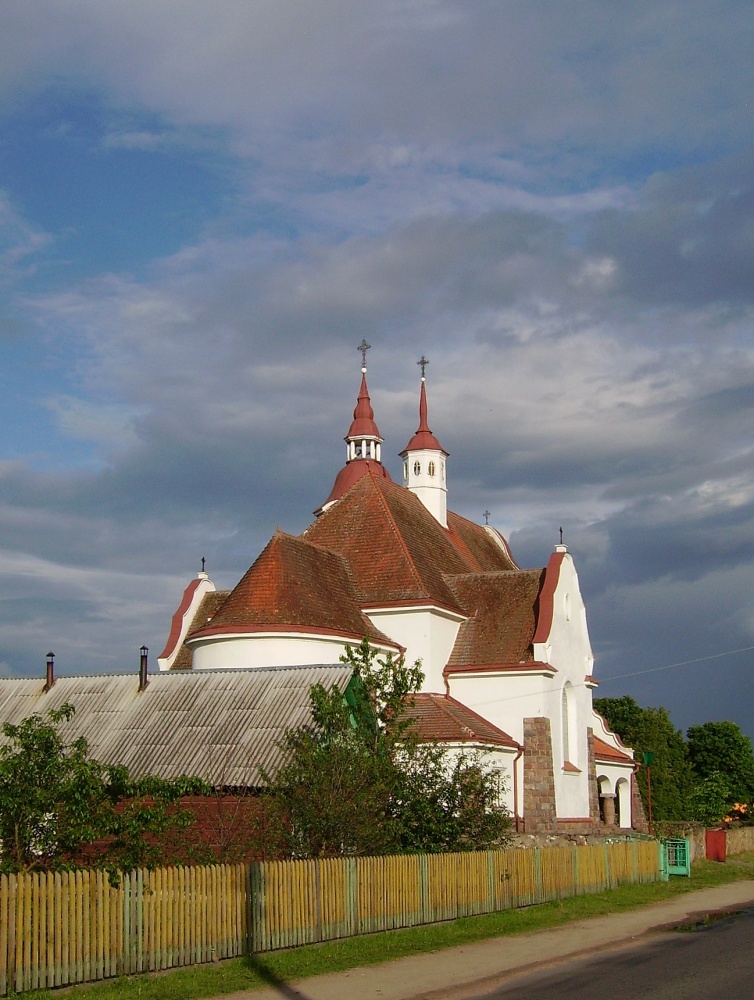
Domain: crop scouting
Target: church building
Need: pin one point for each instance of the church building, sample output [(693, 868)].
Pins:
[(505, 651)]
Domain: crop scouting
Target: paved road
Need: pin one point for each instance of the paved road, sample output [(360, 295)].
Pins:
[(476, 970), (717, 961)]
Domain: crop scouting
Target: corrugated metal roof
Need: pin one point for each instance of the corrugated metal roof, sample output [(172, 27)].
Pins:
[(222, 725)]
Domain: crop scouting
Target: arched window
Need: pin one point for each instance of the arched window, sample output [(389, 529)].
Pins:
[(566, 722), (405, 470), (417, 468), (431, 468)]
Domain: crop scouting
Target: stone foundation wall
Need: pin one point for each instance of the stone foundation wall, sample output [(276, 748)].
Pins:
[(539, 780), (739, 839)]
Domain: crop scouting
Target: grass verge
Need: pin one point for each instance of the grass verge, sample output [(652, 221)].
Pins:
[(278, 968)]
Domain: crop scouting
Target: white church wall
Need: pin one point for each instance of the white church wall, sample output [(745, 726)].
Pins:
[(569, 702), (504, 698), (499, 761), (426, 633), (268, 650)]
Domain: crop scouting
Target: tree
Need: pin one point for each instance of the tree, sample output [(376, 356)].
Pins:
[(59, 807), (650, 729), (710, 799), (721, 748), (359, 781)]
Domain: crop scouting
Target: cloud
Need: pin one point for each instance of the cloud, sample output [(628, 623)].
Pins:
[(19, 241), (553, 203)]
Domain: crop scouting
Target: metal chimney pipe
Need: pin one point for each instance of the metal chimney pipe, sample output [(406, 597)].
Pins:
[(143, 671), (50, 675)]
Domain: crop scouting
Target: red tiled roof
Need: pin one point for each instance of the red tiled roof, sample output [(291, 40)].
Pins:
[(503, 611), (442, 718), (603, 751), (487, 550), (350, 474), (294, 584), (397, 550)]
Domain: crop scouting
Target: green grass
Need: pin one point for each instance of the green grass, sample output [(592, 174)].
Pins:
[(276, 968)]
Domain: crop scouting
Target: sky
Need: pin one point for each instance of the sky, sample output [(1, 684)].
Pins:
[(204, 207)]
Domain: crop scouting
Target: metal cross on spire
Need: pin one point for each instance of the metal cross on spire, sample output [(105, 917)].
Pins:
[(363, 347), (487, 516), (423, 362)]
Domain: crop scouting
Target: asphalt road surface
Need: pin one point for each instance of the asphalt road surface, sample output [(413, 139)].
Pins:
[(714, 962)]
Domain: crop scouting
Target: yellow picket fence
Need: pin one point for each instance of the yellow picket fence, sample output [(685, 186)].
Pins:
[(73, 927), (301, 902)]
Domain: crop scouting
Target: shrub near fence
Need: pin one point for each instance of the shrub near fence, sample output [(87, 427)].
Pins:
[(73, 927)]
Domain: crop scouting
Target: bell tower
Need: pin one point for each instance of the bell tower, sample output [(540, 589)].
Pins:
[(424, 461)]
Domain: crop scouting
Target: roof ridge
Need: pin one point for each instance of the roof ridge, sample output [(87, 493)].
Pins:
[(397, 533), (444, 707)]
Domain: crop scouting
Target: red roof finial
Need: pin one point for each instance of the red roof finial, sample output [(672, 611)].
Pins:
[(363, 424), (424, 438)]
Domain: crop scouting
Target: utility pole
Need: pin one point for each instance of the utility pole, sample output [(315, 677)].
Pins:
[(648, 761)]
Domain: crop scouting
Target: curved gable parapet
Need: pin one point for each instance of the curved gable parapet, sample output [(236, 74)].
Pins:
[(604, 732), (183, 619), (547, 598), (561, 636)]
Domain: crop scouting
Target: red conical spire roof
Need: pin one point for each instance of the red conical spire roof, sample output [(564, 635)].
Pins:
[(363, 443), (363, 424), (424, 438)]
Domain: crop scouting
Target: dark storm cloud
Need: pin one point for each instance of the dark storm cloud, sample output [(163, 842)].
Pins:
[(690, 240)]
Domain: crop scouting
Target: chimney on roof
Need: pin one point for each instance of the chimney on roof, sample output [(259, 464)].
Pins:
[(50, 674), (143, 671)]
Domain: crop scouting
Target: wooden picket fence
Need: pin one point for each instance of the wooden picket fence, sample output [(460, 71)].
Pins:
[(72, 927)]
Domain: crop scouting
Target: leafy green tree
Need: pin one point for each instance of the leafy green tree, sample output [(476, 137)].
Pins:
[(721, 748), (710, 799), (59, 807), (359, 781), (650, 729)]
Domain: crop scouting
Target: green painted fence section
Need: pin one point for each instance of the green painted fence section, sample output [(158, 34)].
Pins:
[(72, 927)]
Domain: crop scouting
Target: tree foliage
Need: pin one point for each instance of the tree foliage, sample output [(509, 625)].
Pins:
[(720, 748), (710, 799), (650, 729), (59, 807), (359, 781)]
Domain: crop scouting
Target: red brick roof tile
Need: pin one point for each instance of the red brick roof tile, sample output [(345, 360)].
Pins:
[(397, 550), (298, 585), (442, 718), (603, 751), (503, 617)]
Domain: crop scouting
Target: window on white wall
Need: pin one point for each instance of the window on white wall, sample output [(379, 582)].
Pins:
[(566, 722)]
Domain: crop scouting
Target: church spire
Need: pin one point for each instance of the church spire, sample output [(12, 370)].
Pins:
[(363, 439), (363, 442), (424, 461)]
